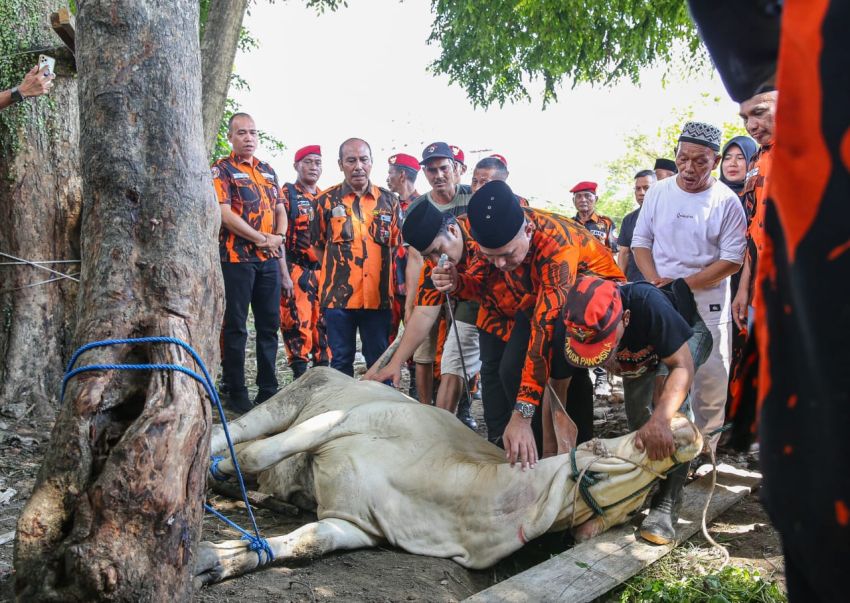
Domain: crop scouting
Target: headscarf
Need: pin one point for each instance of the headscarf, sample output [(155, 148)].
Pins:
[(748, 147)]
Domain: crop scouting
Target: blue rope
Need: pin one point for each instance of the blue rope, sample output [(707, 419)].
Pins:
[(256, 542)]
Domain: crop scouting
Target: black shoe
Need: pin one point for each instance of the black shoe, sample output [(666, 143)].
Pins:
[(264, 395), (464, 415), (240, 404), (659, 527)]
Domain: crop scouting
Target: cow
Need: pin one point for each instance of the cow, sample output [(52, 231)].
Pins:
[(381, 468)]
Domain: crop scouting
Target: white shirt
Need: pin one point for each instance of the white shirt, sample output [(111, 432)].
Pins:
[(687, 232)]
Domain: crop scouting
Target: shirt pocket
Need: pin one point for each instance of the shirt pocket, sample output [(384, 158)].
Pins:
[(379, 229), (342, 230)]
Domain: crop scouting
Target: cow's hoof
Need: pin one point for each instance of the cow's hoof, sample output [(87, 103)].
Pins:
[(217, 561)]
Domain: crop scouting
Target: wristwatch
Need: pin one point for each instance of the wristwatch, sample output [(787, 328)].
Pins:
[(17, 97), (525, 409)]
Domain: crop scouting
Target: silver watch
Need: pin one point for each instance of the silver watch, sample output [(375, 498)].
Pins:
[(525, 409)]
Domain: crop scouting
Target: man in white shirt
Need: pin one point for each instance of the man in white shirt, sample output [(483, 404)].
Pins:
[(693, 227)]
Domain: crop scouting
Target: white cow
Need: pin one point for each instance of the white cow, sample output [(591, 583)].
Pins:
[(386, 469)]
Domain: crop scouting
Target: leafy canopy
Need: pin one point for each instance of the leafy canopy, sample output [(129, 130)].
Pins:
[(495, 49)]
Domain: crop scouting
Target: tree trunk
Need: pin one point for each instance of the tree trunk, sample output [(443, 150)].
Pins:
[(40, 202), (218, 50), (117, 507)]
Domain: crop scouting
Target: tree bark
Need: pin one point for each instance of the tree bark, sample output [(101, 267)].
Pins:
[(218, 50), (40, 201), (117, 507)]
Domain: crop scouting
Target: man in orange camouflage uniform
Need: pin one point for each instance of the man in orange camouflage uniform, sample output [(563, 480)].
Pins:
[(253, 220), (555, 250), (357, 232), (801, 382), (300, 321), (604, 229)]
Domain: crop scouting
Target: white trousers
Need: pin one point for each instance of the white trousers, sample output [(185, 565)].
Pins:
[(711, 383)]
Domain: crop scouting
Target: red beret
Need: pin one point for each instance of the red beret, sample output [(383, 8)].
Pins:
[(404, 160), (312, 149), (500, 158), (458, 153), (584, 186)]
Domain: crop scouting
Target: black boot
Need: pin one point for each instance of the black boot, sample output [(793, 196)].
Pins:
[(298, 369), (463, 408), (238, 401), (659, 527)]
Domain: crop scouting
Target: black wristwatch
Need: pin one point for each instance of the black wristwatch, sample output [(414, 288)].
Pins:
[(17, 97), (525, 409)]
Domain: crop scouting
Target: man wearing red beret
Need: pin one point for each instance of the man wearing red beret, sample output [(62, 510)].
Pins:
[(602, 227), (304, 334), (460, 162), (401, 180)]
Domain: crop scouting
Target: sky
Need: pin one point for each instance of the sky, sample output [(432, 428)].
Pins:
[(362, 72)]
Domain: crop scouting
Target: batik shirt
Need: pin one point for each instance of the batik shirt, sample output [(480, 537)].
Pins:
[(300, 231), (251, 190), (559, 250), (359, 234), (602, 227)]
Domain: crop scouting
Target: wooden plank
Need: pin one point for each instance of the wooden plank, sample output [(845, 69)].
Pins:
[(62, 22), (591, 569)]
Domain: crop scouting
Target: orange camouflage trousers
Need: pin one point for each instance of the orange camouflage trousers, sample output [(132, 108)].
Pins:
[(301, 324)]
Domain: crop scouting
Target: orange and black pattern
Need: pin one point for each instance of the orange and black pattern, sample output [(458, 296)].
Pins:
[(251, 190), (602, 227), (359, 234), (798, 379), (301, 323), (300, 230), (560, 249), (755, 201)]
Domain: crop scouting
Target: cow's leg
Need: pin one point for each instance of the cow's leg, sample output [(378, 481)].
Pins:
[(278, 412), (262, 454), (218, 561)]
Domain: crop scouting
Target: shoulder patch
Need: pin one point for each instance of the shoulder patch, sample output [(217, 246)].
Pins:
[(216, 173)]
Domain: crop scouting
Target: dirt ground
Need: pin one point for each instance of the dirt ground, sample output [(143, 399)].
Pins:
[(382, 574)]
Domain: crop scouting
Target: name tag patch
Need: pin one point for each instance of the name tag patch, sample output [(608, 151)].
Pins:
[(241, 176)]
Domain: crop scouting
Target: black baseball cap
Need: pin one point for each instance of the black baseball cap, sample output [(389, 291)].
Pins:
[(437, 150)]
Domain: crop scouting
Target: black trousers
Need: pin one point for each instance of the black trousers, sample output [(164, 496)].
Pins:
[(256, 284), (501, 372)]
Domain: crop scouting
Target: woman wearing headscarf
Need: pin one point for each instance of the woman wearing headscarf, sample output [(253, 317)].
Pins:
[(736, 156), (735, 163)]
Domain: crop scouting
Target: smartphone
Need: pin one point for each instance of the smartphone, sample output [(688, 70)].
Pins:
[(50, 62)]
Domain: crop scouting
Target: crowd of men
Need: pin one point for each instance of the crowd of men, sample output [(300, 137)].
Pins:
[(500, 300)]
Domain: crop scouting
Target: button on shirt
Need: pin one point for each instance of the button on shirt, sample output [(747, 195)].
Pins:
[(687, 232), (251, 190), (359, 233)]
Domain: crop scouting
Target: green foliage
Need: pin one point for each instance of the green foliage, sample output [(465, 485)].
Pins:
[(729, 584), (495, 49), (642, 148)]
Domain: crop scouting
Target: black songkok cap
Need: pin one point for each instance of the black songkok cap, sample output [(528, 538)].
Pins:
[(666, 164), (421, 225), (495, 215)]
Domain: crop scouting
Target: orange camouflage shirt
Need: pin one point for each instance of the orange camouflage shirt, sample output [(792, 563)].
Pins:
[(359, 234), (602, 227), (302, 213), (560, 249), (755, 202), (251, 190)]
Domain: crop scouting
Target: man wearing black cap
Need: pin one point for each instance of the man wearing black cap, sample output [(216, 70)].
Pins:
[(665, 168), (440, 162), (643, 333), (693, 227), (532, 257)]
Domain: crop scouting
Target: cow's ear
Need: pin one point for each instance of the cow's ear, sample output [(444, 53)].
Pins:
[(563, 427)]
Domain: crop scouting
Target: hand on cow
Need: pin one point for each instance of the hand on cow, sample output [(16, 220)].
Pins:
[(445, 277), (390, 372), (657, 438), (519, 442)]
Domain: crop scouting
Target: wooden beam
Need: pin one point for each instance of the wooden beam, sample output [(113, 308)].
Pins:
[(591, 569), (62, 22)]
